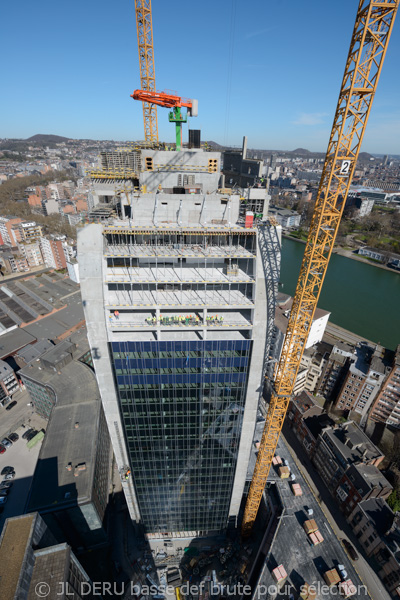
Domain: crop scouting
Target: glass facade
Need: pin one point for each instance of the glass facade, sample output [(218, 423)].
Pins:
[(182, 406)]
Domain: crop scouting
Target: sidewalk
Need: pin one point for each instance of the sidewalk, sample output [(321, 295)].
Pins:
[(333, 515)]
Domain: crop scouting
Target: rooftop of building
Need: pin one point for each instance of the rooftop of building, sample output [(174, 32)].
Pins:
[(14, 340), (5, 370), (367, 477), (71, 433), (307, 404), (13, 547), (352, 443), (378, 513), (283, 212), (51, 568), (34, 350), (283, 308)]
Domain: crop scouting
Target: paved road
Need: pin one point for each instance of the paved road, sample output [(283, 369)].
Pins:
[(334, 516), (344, 335)]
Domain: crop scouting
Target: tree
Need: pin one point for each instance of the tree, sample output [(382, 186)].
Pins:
[(394, 501)]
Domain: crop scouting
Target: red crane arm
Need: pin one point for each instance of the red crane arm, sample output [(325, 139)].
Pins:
[(161, 98)]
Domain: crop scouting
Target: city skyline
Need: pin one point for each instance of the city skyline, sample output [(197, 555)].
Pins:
[(253, 73)]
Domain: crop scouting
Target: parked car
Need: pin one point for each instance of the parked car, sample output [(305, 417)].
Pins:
[(11, 405), (342, 571), (27, 433), (6, 442), (13, 437), (6, 470), (32, 435), (350, 549), (4, 492), (9, 476), (2, 449), (3, 500)]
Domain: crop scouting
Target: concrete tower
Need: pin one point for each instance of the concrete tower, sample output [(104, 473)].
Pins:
[(178, 294)]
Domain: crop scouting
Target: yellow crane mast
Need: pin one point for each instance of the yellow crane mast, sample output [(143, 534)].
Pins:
[(146, 62), (372, 30)]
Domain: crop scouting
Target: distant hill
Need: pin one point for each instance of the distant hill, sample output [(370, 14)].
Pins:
[(41, 138), (301, 151)]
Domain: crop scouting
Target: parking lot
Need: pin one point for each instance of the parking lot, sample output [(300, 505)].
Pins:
[(19, 456)]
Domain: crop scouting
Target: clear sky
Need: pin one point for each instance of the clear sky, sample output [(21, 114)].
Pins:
[(268, 69)]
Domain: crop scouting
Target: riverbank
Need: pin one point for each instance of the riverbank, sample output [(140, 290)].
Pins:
[(347, 254)]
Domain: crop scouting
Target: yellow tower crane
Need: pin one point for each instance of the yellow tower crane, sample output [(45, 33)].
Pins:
[(146, 62), (372, 30)]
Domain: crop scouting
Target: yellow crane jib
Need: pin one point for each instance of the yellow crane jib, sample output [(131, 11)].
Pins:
[(369, 42), (144, 28)]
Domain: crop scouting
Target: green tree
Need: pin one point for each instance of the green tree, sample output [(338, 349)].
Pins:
[(394, 501)]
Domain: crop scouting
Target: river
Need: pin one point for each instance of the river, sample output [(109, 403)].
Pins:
[(361, 298)]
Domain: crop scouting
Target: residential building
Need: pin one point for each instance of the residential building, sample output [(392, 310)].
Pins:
[(312, 361), (359, 206), (386, 407), (53, 251), (335, 370), (6, 229), (378, 531), (361, 482), (337, 450), (31, 251), (71, 483), (307, 419), (176, 305), (31, 563), (363, 380), (30, 231), (8, 382), (389, 258), (285, 217)]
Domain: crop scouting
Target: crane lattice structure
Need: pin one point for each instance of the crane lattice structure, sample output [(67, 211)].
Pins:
[(146, 62), (372, 30)]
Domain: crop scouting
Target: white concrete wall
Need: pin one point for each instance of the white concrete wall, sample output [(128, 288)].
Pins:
[(90, 256)]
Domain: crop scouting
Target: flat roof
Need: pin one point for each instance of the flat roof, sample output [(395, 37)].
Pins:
[(13, 546), (14, 340)]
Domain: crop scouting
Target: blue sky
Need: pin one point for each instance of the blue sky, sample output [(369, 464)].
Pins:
[(268, 69)]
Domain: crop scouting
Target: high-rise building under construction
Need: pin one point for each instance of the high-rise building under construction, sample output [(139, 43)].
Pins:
[(178, 292)]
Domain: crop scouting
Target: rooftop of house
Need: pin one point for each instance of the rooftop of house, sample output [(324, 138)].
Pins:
[(367, 477), (352, 443)]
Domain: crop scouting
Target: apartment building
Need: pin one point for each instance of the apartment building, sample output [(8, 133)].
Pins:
[(378, 531), (363, 380), (386, 408), (53, 251)]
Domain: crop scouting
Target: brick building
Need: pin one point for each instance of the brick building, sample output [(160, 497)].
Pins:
[(386, 407)]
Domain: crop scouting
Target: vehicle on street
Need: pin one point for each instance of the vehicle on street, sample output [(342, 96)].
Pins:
[(6, 442), (27, 433), (2, 449), (4, 493), (351, 551), (13, 437), (342, 571), (6, 470), (3, 499), (11, 405), (9, 476)]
